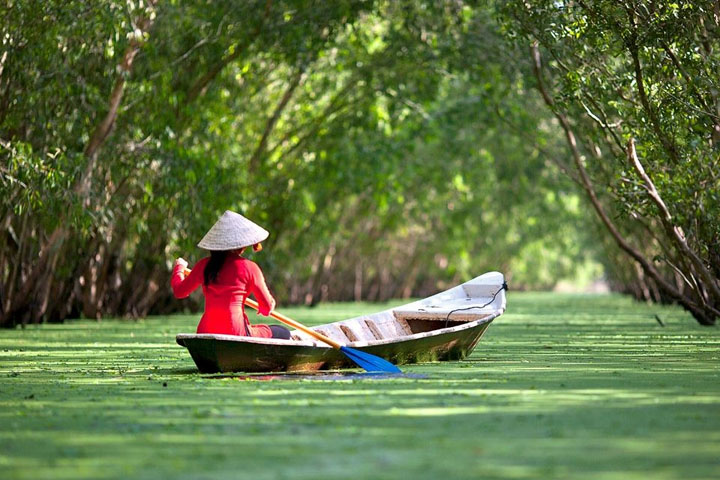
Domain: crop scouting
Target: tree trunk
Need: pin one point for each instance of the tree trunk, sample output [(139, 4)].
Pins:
[(21, 303), (698, 311)]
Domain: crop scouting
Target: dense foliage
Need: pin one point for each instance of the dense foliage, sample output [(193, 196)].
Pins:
[(357, 132), (390, 147), (634, 86)]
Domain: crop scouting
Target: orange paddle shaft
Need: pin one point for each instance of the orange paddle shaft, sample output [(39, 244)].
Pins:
[(288, 321)]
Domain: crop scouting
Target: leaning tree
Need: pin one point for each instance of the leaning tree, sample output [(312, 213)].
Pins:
[(634, 88)]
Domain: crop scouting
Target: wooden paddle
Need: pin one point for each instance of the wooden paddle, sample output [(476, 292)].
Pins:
[(370, 363)]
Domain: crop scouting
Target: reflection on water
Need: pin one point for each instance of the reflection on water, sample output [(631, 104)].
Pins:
[(322, 376)]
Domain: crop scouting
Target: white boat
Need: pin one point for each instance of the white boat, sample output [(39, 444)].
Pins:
[(445, 326)]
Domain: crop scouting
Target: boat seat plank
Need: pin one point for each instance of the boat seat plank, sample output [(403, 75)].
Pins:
[(441, 307), (402, 327), (351, 336), (480, 290), (385, 326), (374, 329), (335, 332)]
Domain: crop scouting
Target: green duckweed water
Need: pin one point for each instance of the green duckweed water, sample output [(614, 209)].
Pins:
[(561, 386)]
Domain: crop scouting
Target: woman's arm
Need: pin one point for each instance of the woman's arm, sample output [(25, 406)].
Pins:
[(183, 286), (259, 289)]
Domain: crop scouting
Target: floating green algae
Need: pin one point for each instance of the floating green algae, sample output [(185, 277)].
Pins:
[(561, 386)]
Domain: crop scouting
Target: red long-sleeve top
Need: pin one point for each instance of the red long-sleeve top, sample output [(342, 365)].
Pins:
[(224, 298)]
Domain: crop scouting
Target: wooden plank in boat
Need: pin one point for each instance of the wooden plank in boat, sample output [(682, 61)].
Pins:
[(438, 314), (374, 329), (402, 327)]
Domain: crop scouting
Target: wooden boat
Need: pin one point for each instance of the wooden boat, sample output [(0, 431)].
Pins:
[(445, 326)]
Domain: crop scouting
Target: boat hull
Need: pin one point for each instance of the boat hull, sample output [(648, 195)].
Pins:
[(215, 355)]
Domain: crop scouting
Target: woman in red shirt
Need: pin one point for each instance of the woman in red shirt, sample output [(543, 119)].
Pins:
[(227, 278)]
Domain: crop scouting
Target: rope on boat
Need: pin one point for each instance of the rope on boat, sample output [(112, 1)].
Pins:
[(503, 287)]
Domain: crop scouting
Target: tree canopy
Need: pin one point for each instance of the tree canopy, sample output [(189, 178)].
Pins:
[(391, 148)]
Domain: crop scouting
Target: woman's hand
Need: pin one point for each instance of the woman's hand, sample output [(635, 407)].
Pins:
[(182, 262)]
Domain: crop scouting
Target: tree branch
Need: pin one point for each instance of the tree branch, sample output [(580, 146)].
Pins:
[(686, 76), (52, 247), (673, 231), (102, 130), (201, 84), (586, 183), (333, 107), (272, 121), (632, 47)]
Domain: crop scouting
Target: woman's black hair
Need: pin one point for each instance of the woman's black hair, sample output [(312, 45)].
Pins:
[(217, 259)]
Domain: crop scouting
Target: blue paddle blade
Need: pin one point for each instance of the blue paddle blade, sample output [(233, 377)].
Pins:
[(370, 363)]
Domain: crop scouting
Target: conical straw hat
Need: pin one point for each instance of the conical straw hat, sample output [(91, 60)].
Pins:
[(233, 231)]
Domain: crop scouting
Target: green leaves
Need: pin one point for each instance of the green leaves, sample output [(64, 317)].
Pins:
[(637, 71), (373, 139)]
